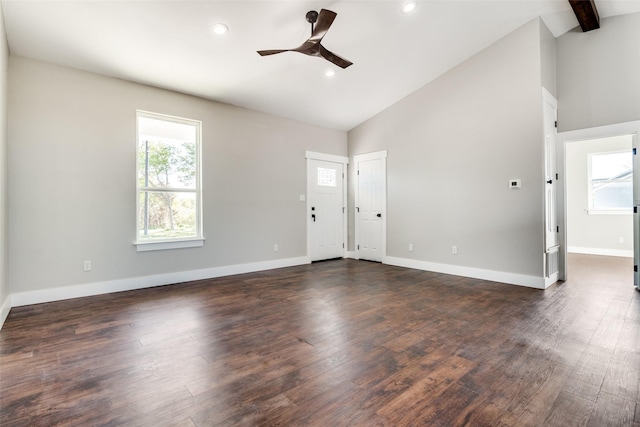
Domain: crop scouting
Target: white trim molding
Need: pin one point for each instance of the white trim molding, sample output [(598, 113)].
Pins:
[(370, 156), (164, 245), (474, 273), (4, 310), (326, 157), (601, 251), (120, 285), (351, 255)]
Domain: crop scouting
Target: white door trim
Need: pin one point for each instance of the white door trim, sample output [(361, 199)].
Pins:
[(618, 129), (311, 155), (550, 189), (382, 155), (326, 157)]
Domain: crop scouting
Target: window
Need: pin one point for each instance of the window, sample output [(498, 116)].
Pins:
[(327, 177), (168, 182), (610, 182)]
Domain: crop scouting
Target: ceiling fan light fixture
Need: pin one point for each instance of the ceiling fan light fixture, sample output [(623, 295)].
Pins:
[(220, 29), (409, 6)]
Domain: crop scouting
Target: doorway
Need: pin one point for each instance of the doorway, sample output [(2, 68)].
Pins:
[(591, 217), (326, 206), (600, 196)]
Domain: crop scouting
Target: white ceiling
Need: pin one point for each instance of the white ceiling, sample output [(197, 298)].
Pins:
[(169, 44)]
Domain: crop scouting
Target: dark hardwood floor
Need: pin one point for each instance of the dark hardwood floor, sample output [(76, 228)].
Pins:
[(337, 343)]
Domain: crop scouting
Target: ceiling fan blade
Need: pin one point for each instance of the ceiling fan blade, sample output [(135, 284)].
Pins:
[(325, 19), (272, 52), (308, 48), (332, 57)]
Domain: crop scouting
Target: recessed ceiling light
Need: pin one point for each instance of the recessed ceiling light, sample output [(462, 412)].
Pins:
[(330, 73), (409, 6), (220, 29)]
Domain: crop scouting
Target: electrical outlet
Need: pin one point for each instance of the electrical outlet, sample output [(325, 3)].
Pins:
[(87, 266), (275, 248), (410, 247), (454, 250)]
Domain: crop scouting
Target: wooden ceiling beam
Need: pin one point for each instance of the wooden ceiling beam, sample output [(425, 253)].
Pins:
[(586, 13)]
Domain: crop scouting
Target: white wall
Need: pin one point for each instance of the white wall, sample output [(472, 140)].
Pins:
[(4, 239), (594, 234), (452, 147), (72, 140), (598, 73)]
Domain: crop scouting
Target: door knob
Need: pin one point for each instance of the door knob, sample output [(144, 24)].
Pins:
[(313, 216), (550, 182), (379, 215)]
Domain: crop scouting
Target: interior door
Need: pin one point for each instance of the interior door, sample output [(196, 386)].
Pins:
[(371, 208), (636, 214), (325, 209), (551, 218)]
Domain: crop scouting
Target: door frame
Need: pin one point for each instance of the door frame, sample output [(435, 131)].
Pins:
[(618, 129), (551, 208), (312, 155), (377, 155)]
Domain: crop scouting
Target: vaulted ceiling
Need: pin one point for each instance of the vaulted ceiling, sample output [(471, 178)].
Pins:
[(171, 44)]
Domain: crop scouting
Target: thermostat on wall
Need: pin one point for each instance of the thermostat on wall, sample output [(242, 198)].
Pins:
[(515, 183)]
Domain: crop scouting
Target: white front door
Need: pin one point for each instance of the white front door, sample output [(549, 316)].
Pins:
[(325, 209), (371, 206)]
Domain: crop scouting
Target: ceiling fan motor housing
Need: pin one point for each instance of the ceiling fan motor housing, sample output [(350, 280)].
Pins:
[(312, 16)]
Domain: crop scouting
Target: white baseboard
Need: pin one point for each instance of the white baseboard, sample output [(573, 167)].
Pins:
[(4, 310), (351, 255), (600, 251), (98, 288), (475, 273)]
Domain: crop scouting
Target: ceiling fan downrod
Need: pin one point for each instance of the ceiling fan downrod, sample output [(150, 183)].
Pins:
[(312, 17)]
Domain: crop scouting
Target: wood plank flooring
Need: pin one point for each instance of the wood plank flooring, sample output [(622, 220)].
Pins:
[(337, 343)]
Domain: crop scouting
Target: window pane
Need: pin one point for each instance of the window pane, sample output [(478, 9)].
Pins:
[(615, 195), (327, 177), (611, 181), (153, 128), (610, 165), (167, 215), (166, 163)]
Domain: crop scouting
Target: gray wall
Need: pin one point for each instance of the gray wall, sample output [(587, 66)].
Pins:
[(598, 234), (72, 139), (548, 61), (452, 147), (598, 73), (4, 239)]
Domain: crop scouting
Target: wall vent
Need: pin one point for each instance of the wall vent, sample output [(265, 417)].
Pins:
[(551, 261)]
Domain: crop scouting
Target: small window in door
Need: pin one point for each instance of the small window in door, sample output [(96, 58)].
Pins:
[(327, 177)]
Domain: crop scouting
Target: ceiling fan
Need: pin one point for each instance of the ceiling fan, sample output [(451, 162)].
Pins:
[(312, 46)]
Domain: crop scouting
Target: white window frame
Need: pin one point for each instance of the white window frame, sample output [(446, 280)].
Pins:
[(591, 210), (163, 244)]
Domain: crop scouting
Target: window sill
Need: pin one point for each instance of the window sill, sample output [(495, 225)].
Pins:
[(168, 244), (610, 212)]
